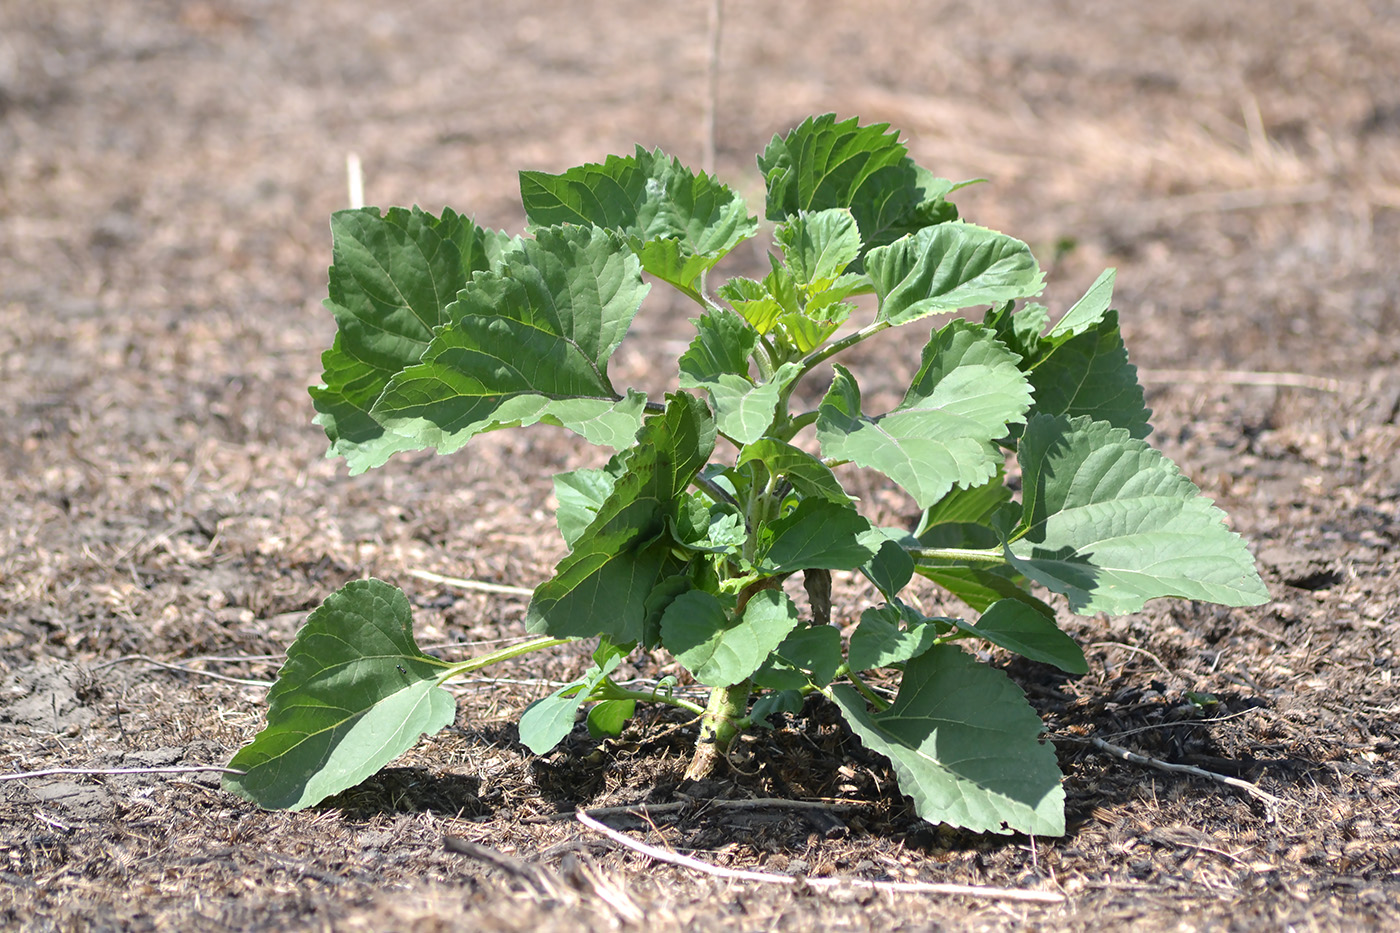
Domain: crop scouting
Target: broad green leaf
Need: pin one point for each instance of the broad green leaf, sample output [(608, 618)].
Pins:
[(1087, 311), (809, 655), (547, 722), (1018, 626), (392, 280), (1021, 329), (606, 719), (891, 568), (746, 410), (824, 164), (355, 693), (1089, 374), (965, 395), (1111, 523), (817, 535), (965, 518), (719, 649), (981, 585), (580, 494), (602, 586), (678, 222), (770, 704), (948, 267), (529, 343), (880, 641), (808, 475), (819, 246), (965, 746)]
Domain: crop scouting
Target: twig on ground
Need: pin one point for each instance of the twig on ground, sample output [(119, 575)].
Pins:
[(533, 875), (176, 769), (247, 682), (1118, 751), (584, 876), (477, 585), (916, 887), (642, 810), (1135, 650)]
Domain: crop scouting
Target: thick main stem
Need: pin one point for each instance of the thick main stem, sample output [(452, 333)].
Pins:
[(718, 727)]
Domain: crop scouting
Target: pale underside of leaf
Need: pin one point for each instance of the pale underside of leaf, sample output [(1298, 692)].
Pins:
[(965, 746)]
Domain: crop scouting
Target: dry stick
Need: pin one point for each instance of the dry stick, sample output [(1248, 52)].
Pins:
[(1245, 378), (180, 769), (533, 875), (477, 585), (757, 803), (716, 22), (1118, 751), (184, 670), (355, 181), (916, 887)]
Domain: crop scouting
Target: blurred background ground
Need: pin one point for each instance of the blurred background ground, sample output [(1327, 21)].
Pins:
[(166, 173)]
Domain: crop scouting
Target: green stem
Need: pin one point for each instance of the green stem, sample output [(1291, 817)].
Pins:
[(976, 555), (502, 654), (613, 692), (719, 723), (817, 357), (865, 691)]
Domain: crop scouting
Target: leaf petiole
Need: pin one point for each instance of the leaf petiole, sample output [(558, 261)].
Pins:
[(974, 555), (501, 654)]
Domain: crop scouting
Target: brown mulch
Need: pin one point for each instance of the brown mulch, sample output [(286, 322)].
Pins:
[(166, 172)]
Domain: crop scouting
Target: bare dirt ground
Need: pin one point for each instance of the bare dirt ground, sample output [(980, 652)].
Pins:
[(166, 173)]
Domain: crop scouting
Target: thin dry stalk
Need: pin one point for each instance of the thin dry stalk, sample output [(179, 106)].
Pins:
[(734, 874)]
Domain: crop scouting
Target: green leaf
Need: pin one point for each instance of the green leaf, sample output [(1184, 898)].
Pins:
[(1111, 523), (547, 722), (530, 343), (679, 223), (966, 394), (1087, 311), (580, 495), (816, 535), (891, 568), (718, 361), (392, 280), (719, 649), (948, 267), (770, 704), (965, 746), (823, 164), (1089, 374), (809, 655), (965, 518), (753, 302), (606, 719), (602, 586), (980, 585), (355, 693), (819, 246), (722, 345), (809, 476), (879, 640), (1017, 626)]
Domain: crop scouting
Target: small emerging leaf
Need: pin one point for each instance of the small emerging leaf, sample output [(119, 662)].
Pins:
[(547, 722), (879, 641)]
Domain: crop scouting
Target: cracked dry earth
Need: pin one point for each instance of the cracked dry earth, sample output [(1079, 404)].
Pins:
[(167, 168)]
